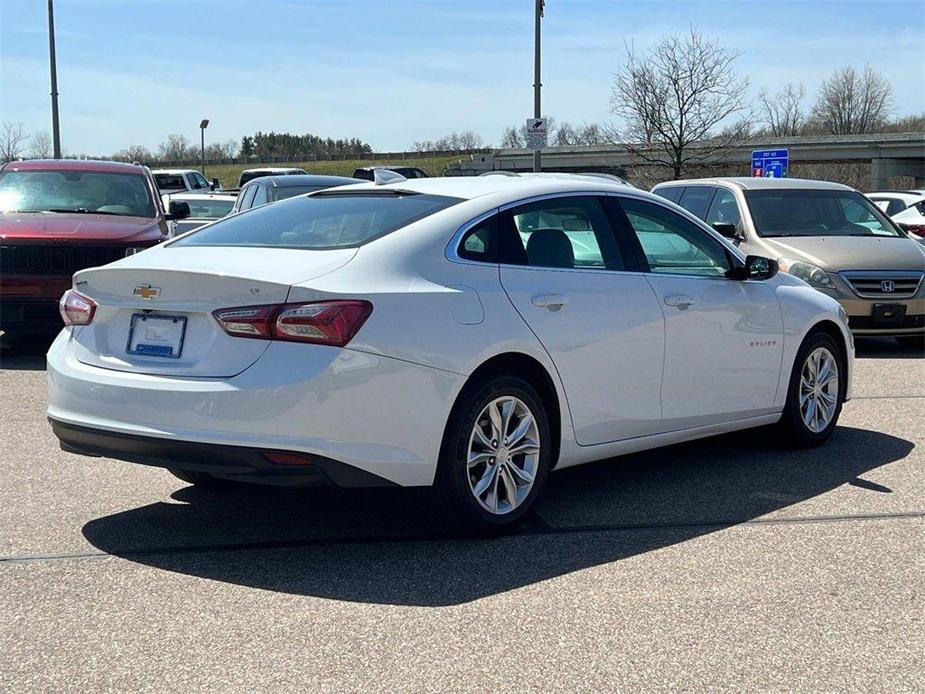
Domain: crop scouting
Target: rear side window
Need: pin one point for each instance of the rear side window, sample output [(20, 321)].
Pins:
[(247, 197), (169, 181), (277, 194), (697, 199), (567, 232), (672, 193), (320, 222)]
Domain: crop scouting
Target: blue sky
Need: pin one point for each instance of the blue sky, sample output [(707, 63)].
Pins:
[(395, 71)]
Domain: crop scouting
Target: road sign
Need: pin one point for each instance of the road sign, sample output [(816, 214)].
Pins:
[(536, 133), (770, 163)]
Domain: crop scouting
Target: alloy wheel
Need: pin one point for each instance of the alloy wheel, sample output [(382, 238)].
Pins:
[(818, 389), (503, 455)]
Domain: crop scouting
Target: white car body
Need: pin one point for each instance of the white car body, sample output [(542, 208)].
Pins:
[(892, 202), (627, 372)]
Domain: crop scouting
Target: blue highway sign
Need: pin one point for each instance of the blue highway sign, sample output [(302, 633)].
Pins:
[(770, 163)]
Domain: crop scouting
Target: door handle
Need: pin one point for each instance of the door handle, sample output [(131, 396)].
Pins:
[(680, 301), (553, 302)]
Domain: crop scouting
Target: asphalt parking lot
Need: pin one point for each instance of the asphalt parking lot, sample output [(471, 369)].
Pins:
[(725, 564)]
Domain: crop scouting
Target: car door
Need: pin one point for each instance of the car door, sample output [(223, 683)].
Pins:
[(723, 337), (568, 277)]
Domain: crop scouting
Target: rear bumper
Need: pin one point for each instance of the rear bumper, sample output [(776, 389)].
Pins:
[(239, 463), (383, 416)]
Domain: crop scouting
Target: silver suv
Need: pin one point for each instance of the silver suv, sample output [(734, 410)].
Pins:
[(827, 234)]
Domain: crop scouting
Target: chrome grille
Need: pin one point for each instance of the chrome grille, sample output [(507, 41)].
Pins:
[(884, 285)]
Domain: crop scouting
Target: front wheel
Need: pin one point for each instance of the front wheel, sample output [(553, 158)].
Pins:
[(816, 392), (495, 456)]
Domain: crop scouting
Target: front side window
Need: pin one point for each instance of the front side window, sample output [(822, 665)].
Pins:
[(567, 232), (799, 212), (724, 208), (320, 222), (674, 245), (696, 200), (75, 191), (200, 180)]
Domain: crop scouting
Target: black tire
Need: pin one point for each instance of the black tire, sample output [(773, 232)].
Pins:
[(794, 429), (452, 498), (200, 479), (912, 342)]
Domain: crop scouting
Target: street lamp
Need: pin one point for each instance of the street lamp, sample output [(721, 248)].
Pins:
[(537, 110), (202, 144)]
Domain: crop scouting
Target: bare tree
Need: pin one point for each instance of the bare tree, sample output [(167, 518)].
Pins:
[(675, 97), (222, 150), (782, 113), (134, 153), (906, 124), (40, 145), (176, 148), (12, 141), (852, 102), (511, 138)]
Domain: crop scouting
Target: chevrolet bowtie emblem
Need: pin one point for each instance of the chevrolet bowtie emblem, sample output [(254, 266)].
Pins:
[(146, 291)]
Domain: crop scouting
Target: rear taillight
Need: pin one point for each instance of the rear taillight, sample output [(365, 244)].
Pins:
[(76, 309), (320, 322)]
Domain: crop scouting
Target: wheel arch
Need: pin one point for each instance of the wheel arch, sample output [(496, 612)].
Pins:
[(536, 374)]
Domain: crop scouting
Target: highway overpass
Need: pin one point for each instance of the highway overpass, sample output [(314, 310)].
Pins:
[(889, 155)]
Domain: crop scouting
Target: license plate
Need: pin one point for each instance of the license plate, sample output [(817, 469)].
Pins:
[(156, 335), (888, 314)]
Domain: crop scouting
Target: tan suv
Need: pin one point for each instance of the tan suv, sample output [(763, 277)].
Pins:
[(826, 234)]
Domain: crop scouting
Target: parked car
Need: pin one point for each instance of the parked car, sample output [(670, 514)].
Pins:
[(61, 216), (367, 173), (912, 220), (183, 180), (827, 235), (267, 189), (204, 209), (251, 174), (441, 332), (892, 203)]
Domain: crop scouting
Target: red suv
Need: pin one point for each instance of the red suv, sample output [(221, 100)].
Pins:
[(60, 216)]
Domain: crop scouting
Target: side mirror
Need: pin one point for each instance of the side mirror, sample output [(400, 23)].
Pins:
[(178, 210), (760, 268), (726, 229), (216, 184)]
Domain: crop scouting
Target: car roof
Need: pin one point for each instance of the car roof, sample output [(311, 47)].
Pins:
[(73, 165), (390, 167), (173, 172), (504, 188), (304, 179), (756, 183), (896, 195)]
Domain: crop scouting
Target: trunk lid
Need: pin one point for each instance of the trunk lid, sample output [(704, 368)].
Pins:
[(185, 285)]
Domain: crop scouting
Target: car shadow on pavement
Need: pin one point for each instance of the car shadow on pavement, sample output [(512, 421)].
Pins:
[(25, 353), (368, 546)]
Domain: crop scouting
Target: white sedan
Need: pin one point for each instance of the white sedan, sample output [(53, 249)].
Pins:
[(469, 334)]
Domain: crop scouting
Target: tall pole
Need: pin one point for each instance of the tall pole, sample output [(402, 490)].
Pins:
[(202, 151), (55, 130), (537, 110)]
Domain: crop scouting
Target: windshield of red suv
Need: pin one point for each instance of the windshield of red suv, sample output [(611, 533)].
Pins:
[(89, 192)]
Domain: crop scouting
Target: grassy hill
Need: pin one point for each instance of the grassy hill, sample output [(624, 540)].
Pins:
[(229, 173)]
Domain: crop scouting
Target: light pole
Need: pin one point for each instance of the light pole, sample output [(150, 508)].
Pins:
[(202, 144), (537, 110), (55, 130)]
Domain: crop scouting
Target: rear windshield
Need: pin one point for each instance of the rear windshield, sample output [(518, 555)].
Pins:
[(89, 192), (320, 222), (798, 212), (208, 209), (169, 181), (282, 193)]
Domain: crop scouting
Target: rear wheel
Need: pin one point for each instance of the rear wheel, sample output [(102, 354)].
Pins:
[(816, 392), (495, 456)]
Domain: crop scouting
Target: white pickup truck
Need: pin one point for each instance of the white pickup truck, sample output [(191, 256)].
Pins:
[(183, 180)]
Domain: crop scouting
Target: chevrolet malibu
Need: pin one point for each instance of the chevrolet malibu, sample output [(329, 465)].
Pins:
[(464, 334)]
